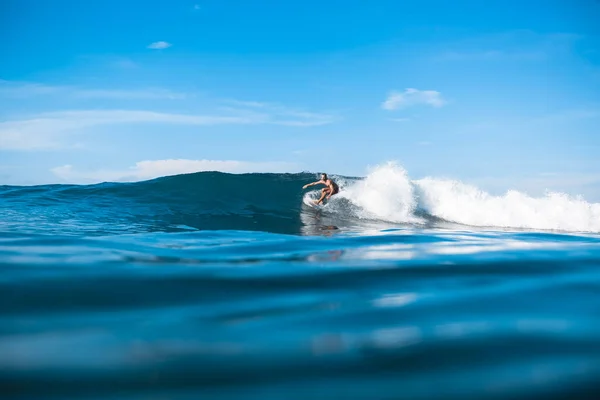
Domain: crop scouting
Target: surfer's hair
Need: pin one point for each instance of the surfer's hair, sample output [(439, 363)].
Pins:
[(324, 175)]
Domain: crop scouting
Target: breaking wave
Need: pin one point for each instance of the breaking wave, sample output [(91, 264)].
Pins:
[(389, 194), (274, 203)]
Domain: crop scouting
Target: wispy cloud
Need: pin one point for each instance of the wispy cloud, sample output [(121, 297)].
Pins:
[(27, 89), (139, 94), (558, 121), (159, 45), (412, 97), (124, 63), (566, 116), (251, 104), (47, 130), (491, 55), (264, 112), (513, 45), (284, 115), (155, 168), (399, 119)]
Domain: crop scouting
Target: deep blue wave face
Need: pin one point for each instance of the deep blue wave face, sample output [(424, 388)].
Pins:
[(213, 285), (206, 201)]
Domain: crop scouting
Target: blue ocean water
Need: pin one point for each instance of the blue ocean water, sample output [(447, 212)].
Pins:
[(212, 285)]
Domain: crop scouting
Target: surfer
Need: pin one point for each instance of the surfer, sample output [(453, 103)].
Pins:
[(329, 190)]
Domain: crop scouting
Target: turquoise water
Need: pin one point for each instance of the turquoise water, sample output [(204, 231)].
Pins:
[(227, 286)]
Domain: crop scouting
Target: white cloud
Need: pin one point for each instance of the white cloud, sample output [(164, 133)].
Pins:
[(45, 131), (159, 45), (150, 169), (411, 97)]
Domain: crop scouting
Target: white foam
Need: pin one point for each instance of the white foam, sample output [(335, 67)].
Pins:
[(387, 193)]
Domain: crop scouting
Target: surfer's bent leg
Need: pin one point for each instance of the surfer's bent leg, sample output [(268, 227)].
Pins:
[(324, 192)]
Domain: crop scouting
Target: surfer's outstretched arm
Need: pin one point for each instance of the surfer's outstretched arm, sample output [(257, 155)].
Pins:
[(311, 184)]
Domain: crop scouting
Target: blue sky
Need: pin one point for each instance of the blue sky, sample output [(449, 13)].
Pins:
[(501, 94)]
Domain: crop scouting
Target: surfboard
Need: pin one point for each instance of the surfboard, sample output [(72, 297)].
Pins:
[(313, 204), (310, 199)]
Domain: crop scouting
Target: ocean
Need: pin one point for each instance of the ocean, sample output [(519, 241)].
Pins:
[(213, 285)]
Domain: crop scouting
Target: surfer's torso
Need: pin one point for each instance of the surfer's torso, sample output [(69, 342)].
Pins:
[(333, 186)]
